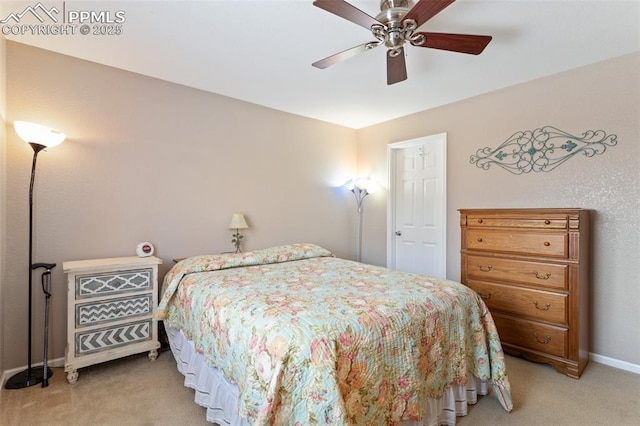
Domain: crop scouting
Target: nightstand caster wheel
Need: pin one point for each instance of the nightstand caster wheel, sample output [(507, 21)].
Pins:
[(72, 376), (153, 354)]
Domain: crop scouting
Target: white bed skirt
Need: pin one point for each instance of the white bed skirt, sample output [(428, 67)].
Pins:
[(220, 397)]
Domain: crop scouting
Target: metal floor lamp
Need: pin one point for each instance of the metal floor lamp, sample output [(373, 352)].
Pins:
[(361, 187), (39, 137)]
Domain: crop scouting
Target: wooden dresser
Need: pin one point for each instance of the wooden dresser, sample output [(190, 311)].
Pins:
[(531, 267), (110, 307)]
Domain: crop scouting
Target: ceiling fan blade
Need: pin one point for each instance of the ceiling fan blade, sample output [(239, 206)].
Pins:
[(396, 67), (426, 9), (338, 57), (347, 11), (463, 43)]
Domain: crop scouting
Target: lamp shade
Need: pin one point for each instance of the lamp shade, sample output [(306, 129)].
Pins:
[(238, 222), (35, 133), (363, 184)]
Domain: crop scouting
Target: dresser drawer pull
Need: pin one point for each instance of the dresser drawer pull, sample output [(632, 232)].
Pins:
[(547, 243), (479, 240), (479, 220), (546, 307), (544, 342), (485, 296), (547, 222), (485, 270), (540, 277)]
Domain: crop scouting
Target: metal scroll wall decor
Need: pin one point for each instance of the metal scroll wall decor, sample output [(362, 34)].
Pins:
[(542, 150)]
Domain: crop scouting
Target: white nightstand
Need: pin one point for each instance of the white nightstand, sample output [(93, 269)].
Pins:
[(110, 304)]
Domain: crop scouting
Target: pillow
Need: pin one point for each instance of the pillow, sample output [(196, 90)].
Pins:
[(277, 254)]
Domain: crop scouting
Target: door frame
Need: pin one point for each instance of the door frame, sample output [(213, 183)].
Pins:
[(392, 151)]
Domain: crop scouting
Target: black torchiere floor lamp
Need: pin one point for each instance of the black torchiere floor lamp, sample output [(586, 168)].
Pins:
[(39, 137)]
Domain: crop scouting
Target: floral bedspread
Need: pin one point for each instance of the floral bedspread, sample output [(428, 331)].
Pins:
[(313, 339)]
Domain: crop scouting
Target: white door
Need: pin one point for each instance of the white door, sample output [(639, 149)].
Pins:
[(418, 206)]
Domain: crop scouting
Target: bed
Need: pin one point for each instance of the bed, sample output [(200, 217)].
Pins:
[(294, 335)]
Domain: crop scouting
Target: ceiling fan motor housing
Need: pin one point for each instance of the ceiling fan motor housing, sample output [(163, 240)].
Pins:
[(390, 4), (391, 14)]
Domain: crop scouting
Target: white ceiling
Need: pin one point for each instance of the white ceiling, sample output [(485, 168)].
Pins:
[(261, 51)]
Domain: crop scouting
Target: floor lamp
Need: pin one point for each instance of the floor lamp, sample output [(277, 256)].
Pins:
[(361, 187), (39, 137)]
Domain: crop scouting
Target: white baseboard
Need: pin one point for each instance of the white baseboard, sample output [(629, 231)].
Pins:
[(612, 362), (58, 362)]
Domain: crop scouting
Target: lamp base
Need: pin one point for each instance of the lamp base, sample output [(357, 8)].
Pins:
[(27, 378)]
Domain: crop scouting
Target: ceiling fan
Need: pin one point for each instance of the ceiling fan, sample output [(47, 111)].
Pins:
[(395, 25)]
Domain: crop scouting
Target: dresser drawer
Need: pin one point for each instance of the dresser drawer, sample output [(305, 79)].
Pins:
[(106, 283), (546, 275), (539, 305), (89, 342), (93, 313), (482, 221), (532, 335), (523, 243)]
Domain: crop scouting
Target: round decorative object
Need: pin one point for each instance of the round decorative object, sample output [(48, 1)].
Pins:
[(144, 249)]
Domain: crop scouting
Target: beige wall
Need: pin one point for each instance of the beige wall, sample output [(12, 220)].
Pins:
[(150, 160), (604, 96), (3, 169), (146, 160)]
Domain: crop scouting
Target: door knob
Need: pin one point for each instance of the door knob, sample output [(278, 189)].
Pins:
[(398, 233)]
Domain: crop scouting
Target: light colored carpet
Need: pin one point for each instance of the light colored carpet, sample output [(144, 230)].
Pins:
[(134, 391)]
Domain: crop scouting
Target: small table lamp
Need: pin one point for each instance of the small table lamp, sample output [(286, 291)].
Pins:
[(238, 223)]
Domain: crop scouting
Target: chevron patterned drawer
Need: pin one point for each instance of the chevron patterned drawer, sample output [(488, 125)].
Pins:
[(106, 338), (93, 313), (113, 283)]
